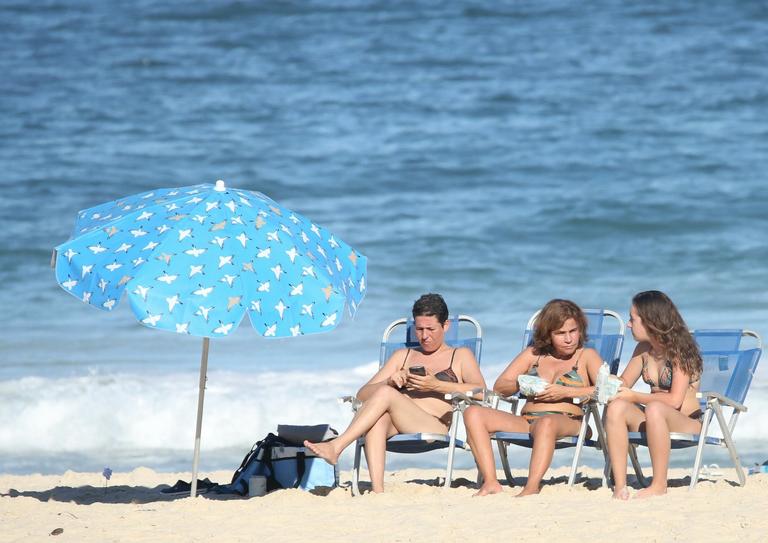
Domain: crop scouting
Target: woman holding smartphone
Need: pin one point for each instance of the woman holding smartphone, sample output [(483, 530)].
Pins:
[(407, 394)]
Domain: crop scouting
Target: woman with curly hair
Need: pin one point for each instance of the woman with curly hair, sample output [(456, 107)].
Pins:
[(668, 360), (557, 355)]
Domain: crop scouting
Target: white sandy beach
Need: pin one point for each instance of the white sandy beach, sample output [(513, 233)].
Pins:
[(414, 509)]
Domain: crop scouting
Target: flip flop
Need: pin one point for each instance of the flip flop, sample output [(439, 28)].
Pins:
[(711, 470)]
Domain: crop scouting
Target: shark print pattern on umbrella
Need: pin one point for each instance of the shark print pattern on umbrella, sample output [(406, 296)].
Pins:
[(195, 260)]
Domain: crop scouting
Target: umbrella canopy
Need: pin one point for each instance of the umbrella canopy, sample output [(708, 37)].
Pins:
[(194, 260)]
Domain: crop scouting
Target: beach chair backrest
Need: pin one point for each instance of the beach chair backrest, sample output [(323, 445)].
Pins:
[(464, 331), (607, 344), (728, 367)]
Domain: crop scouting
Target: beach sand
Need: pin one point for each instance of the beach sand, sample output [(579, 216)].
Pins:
[(132, 508)]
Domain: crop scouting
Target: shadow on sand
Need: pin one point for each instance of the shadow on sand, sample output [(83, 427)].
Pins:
[(87, 495), (124, 494)]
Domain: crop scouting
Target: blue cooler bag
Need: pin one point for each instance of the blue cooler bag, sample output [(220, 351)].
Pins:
[(285, 465)]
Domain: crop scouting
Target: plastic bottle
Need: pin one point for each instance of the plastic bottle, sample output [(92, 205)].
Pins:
[(602, 376)]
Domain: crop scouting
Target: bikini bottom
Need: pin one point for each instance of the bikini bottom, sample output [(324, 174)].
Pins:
[(531, 416)]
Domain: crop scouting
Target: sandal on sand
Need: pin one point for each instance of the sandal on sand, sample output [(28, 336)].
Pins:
[(711, 470), (180, 487)]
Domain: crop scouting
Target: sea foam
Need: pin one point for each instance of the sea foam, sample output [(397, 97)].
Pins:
[(132, 419)]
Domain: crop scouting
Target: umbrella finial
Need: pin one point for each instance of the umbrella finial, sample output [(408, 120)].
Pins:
[(219, 186)]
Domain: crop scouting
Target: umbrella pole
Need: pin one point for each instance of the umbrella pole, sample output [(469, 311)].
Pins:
[(200, 399)]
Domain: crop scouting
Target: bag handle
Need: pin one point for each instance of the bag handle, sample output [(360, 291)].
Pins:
[(266, 460), (301, 467)]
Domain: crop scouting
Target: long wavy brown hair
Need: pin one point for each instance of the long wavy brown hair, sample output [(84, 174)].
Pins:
[(552, 316), (663, 322)]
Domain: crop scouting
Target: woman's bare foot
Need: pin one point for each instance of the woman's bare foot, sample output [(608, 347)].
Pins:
[(488, 488), (650, 492), (326, 451), (621, 493), (528, 492)]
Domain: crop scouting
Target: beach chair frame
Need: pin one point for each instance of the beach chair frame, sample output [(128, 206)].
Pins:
[(727, 376), (423, 442), (609, 346)]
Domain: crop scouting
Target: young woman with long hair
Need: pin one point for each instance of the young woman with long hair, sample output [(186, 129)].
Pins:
[(668, 360)]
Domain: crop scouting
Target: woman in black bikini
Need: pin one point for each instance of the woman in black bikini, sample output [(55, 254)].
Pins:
[(558, 356), (668, 360), (396, 401)]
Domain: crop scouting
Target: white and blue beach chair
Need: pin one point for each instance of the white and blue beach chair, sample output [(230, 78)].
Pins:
[(728, 371), (464, 331), (608, 344)]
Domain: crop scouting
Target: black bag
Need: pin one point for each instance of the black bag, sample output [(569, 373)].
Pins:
[(259, 462)]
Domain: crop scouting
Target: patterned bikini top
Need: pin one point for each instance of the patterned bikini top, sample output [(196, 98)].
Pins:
[(665, 375), (569, 379), (446, 375)]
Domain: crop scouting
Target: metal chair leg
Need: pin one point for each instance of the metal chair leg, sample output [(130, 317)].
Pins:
[(451, 449), (602, 441), (731, 446), (356, 469), (636, 466), (579, 445), (505, 462), (700, 448)]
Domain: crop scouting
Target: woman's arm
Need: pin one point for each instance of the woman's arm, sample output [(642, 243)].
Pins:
[(470, 376), (674, 398), (506, 384), (592, 364), (467, 371), (634, 368), (389, 374)]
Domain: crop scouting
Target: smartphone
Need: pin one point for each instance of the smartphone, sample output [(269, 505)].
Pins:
[(418, 370)]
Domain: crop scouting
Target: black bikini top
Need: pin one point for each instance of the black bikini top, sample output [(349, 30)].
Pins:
[(447, 375)]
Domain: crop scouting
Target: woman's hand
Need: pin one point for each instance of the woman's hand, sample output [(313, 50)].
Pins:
[(398, 379), (624, 393), (552, 393), (422, 383)]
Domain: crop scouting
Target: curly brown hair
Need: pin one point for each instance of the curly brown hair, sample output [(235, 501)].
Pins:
[(666, 326), (551, 317)]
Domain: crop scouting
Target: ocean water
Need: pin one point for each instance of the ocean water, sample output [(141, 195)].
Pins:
[(501, 153)]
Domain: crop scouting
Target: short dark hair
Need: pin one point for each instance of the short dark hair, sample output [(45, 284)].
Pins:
[(431, 305), (552, 316)]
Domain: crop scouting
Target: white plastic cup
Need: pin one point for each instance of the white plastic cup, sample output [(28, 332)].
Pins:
[(257, 486)]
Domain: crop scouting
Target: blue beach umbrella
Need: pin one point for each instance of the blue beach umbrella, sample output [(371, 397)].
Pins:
[(195, 260)]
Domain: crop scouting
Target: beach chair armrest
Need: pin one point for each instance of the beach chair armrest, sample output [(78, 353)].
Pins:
[(491, 398), (466, 396), (351, 400), (462, 400), (714, 396), (584, 401), (513, 400), (475, 395)]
